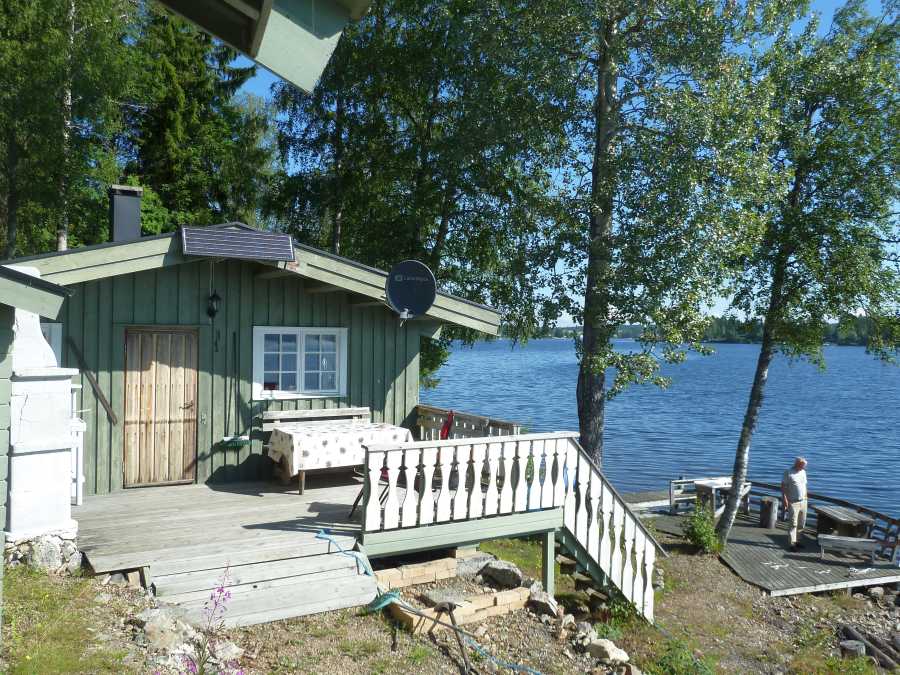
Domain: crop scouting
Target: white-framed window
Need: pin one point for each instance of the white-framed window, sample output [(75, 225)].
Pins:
[(291, 362)]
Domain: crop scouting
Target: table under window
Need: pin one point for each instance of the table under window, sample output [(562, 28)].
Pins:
[(304, 446)]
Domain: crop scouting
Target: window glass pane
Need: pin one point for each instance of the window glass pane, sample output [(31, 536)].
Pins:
[(328, 382), (312, 362), (312, 343), (289, 362), (328, 362), (270, 361), (271, 342), (311, 382), (270, 381), (329, 343), (288, 381), (289, 343)]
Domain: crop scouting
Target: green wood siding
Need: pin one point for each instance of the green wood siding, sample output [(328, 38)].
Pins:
[(383, 358)]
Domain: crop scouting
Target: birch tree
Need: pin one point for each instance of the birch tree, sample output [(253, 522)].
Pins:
[(825, 247), (658, 157)]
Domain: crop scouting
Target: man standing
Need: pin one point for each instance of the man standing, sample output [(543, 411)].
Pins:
[(793, 495)]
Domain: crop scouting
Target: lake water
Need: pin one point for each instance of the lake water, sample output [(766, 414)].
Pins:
[(845, 420)]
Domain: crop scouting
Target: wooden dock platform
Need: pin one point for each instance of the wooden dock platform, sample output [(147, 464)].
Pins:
[(763, 558)]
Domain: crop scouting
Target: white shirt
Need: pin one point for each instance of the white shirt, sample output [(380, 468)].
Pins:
[(794, 485)]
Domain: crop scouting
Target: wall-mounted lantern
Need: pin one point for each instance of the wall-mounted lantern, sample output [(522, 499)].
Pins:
[(212, 305)]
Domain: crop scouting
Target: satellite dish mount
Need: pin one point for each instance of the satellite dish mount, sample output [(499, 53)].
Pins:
[(410, 289)]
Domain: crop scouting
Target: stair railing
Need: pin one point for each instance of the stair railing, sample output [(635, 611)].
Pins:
[(429, 482)]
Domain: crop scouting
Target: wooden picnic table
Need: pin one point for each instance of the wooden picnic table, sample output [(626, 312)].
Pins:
[(708, 491), (842, 521)]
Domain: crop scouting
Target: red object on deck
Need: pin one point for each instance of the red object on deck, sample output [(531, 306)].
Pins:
[(447, 426)]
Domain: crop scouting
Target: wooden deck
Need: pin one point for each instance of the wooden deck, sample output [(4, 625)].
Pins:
[(763, 558), (140, 527), (259, 538)]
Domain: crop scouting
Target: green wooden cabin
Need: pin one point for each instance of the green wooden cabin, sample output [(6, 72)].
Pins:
[(171, 394)]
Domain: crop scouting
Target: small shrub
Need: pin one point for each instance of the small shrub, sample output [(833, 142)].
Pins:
[(700, 530), (608, 631), (678, 659)]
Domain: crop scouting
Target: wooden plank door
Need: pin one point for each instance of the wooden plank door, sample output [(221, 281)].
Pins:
[(160, 406)]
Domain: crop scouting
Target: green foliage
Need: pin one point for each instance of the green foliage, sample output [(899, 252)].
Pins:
[(205, 152), (608, 630), (678, 659), (700, 529), (826, 210), (657, 157), (65, 72), (821, 225), (441, 152)]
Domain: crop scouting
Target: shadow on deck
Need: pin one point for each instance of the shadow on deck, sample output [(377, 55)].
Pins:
[(763, 558)]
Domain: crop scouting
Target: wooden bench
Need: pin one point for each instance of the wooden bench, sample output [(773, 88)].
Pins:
[(855, 545), (272, 417)]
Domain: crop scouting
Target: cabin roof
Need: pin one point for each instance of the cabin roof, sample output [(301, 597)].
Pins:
[(18, 289), (99, 261)]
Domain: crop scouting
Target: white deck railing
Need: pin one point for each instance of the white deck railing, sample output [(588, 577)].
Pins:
[(431, 482)]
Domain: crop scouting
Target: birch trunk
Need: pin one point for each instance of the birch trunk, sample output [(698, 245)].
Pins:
[(597, 330), (62, 232), (754, 403)]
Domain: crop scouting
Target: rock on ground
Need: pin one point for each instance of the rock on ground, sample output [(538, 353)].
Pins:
[(606, 651), (543, 603), (852, 648), (45, 554), (502, 573)]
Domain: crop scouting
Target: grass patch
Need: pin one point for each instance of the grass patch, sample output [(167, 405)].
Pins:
[(45, 626), (419, 654), (526, 554), (608, 631), (359, 648), (677, 658)]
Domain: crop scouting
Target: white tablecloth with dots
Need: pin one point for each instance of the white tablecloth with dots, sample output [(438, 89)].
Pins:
[(302, 446)]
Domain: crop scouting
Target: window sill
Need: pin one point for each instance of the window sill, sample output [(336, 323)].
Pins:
[(294, 396)]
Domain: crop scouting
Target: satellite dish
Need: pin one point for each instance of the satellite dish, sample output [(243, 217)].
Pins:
[(410, 289)]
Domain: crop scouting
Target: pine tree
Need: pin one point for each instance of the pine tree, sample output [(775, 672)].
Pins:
[(201, 150)]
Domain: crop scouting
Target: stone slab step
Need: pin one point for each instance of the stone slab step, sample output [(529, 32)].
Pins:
[(250, 574), (288, 601)]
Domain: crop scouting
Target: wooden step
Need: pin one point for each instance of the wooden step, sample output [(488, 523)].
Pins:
[(174, 559), (252, 573), (566, 564), (583, 581), (290, 600)]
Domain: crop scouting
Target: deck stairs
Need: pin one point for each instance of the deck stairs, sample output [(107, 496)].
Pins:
[(595, 526), (266, 585)]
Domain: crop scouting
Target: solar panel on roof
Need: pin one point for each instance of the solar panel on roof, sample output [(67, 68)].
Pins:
[(236, 242)]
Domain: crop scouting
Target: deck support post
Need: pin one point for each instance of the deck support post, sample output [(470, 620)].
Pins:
[(548, 560)]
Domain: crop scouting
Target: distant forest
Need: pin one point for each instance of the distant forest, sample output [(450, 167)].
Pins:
[(730, 329)]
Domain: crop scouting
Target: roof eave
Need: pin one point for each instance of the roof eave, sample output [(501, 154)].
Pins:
[(107, 260)]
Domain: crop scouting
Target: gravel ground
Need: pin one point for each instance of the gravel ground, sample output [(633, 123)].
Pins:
[(744, 631), (721, 619), (349, 642)]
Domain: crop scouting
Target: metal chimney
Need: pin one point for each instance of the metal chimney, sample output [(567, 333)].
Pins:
[(124, 212)]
